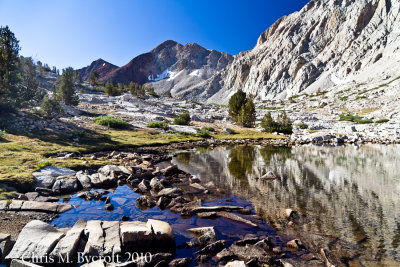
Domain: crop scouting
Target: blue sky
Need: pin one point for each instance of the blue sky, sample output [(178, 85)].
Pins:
[(73, 33)]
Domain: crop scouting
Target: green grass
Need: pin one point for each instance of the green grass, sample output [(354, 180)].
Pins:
[(269, 108), (4, 194), (247, 134), (355, 119), (43, 164), (111, 122), (382, 121), (344, 98), (158, 124)]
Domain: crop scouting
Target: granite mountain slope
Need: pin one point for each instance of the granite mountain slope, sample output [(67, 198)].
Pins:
[(328, 43)]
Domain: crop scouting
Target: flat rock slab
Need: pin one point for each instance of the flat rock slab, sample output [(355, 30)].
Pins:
[(56, 171), (67, 246), (36, 238), (112, 241), (95, 236), (48, 207), (21, 263)]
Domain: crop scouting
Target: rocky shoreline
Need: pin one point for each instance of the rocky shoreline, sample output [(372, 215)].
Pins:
[(172, 189)]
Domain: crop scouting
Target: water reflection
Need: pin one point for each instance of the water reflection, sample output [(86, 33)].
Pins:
[(348, 191)]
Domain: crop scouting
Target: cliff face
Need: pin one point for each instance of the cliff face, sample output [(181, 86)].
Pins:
[(171, 67), (327, 43)]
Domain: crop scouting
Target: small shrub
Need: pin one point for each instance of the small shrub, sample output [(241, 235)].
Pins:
[(43, 164), (2, 133), (302, 125), (170, 131), (151, 92), (203, 133), (209, 128), (158, 124), (378, 121), (111, 122), (111, 89), (183, 118), (344, 98), (50, 108)]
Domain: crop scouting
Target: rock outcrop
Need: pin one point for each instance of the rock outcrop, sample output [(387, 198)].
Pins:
[(327, 43)]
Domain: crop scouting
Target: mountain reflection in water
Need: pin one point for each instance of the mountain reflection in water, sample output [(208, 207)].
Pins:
[(349, 191)]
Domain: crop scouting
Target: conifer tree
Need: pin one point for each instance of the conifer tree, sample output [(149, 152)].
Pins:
[(66, 91)]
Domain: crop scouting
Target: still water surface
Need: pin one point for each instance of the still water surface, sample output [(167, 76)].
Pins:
[(349, 191), (352, 192)]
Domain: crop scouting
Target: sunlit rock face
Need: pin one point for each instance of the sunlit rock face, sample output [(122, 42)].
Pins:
[(326, 43), (350, 192)]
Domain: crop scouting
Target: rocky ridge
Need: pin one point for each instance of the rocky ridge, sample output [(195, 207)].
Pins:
[(170, 67)]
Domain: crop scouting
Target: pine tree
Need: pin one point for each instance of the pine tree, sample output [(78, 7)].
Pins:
[(235, 105), (66, 91), (78, 78), (30, 94), (94, 78), (268, 123), (248, 114), (9, 70)]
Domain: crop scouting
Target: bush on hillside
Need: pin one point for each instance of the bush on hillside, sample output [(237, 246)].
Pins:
[(50, 108), (282, 125), (111, 122), (242, 109), (158, 124), (183, 118), (203, 133)]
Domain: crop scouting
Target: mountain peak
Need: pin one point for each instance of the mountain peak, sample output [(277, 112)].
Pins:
[(100, 65)]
